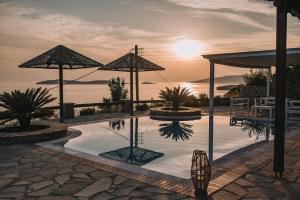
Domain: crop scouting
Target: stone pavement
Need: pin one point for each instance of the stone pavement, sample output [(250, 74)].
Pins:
[(260, 183), (30, 172), (27, 172)]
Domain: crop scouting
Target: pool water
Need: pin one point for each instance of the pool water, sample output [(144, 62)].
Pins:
[(168, 145)]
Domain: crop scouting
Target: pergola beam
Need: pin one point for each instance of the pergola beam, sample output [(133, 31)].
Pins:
[(211, 110), (281, 32)]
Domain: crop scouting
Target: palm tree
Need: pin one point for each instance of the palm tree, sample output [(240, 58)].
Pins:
[(176, 96), (176, 130), (25, 106)]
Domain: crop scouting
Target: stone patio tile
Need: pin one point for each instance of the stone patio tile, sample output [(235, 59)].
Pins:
[(101, 174), (259, 178), (103, 196), (57, 198), (70, 188), (62, 179), (84, 169), (24, 182), (119, 179), (5, 182), (96, 187), (40, 185), (223, 195), (44, 191), (81, 175), (236, 189), (244, 183)]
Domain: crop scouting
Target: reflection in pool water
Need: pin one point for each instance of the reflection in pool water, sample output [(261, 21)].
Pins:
[(163, 146), (176, 130)]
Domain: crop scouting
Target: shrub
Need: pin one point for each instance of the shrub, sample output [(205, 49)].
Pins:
[(257, 78), (117, 89), (87, 111), (141, 107), (25, 106)]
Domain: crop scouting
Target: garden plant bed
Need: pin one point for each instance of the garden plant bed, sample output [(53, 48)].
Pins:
[(37, 133), (183, 113)]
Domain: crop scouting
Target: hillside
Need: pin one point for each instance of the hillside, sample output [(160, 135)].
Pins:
[(237, 79)]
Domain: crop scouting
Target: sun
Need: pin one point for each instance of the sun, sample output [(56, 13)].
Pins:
[(187, 48)]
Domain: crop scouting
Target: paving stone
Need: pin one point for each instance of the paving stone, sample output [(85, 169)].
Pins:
[(236, 189), (223, 195), (119, 179), (70, 188), (156, 190), (24, 182), (84, 169), (44, 191), (37, 178), (80, 175), (57, 198), (10, 175), (48, 173), (259, 179), (123, 191), (100, 174), (5, 182), (62, 179), (103, 196), (244, 183), (96, 187), (8, 164), (160, 197), (39, 185)]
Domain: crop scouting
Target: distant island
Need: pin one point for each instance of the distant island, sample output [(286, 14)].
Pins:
[(226, 87), (147, 83), (55, 82), (223, 79)]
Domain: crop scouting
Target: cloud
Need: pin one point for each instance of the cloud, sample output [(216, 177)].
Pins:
[(20, 22), (235, 5)]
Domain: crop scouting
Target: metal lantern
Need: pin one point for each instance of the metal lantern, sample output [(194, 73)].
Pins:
[(200, 173)]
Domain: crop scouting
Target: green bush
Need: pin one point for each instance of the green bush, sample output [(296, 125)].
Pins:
[(87, 111), (142, 107)]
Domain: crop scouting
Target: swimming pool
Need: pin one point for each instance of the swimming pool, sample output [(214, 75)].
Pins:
[(166, 146)]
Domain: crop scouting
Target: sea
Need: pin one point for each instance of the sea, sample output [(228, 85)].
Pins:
[(94, 93)]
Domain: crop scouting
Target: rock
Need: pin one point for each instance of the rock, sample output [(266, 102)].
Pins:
[(62, 179), (96, 187)]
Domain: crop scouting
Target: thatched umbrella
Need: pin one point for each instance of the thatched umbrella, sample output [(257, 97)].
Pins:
[(129, 63), (61, 57)]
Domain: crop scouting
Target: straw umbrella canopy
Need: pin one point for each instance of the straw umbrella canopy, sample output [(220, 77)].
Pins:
[(129, 63), (61, 57)]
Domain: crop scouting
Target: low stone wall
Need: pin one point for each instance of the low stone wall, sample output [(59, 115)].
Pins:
[(54, 131)]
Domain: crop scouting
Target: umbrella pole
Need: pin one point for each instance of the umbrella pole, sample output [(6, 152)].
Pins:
[(131, 85), (137, 77), (61, 95)]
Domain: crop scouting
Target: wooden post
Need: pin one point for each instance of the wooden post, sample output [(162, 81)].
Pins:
[(281, 32), (269, 78), (131, 156), (61, 94), (137, 93), (131, 84), (136, 132), (211, 111)]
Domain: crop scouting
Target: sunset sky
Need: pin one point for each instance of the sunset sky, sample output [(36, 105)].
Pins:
[(106, 29)]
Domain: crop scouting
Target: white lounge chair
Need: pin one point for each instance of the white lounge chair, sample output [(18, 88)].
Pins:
[(263, 104), (292, 110), (239, 104)]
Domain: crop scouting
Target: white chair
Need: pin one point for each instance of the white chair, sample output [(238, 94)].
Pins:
[(292, 110), (263, 104), (239, 104)]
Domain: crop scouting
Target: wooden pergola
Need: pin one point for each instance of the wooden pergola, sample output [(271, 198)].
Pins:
[(61, 58), (280, 58)]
